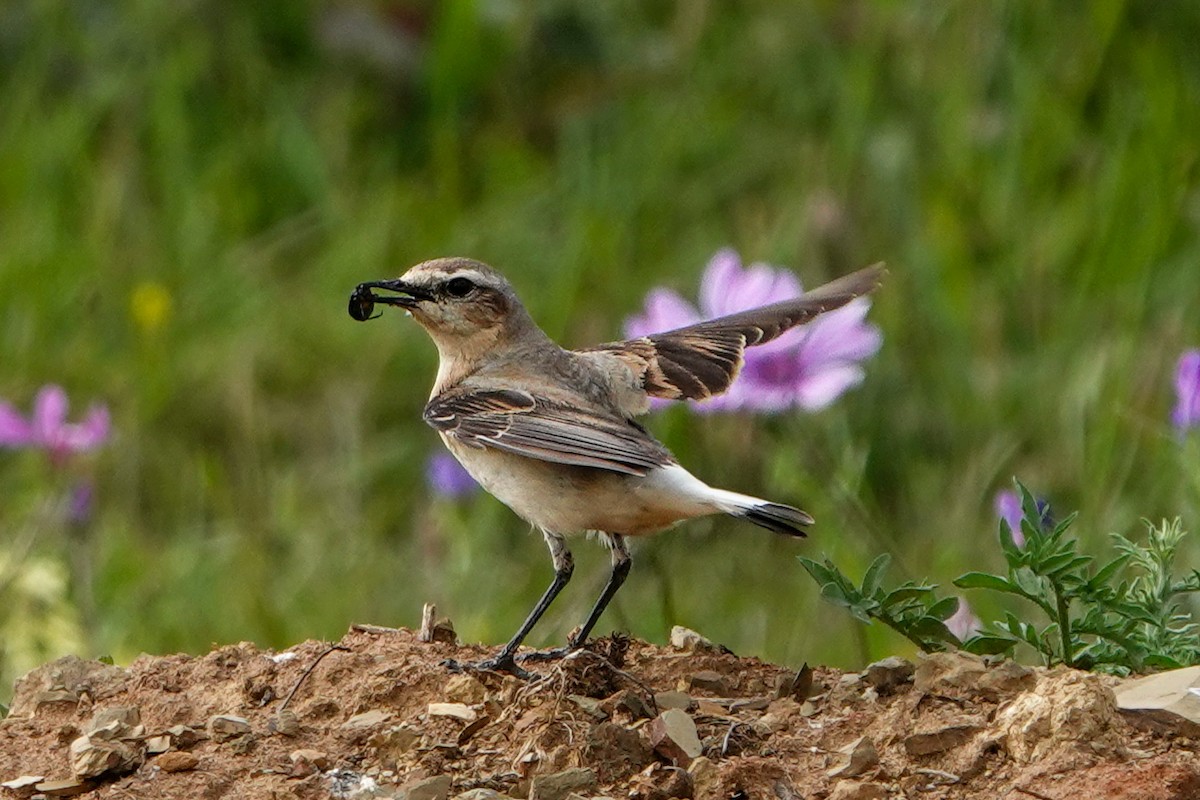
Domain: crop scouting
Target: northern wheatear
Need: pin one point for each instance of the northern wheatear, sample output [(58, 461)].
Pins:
[(550, 432)]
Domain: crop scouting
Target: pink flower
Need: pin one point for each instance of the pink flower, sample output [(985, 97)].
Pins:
[(808, 367), (1187, 391), (963, 623), (47, 429)]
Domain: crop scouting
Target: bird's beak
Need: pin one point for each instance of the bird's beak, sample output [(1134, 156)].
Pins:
[(363, 300)]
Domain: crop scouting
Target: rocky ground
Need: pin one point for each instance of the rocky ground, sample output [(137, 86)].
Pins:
[(376, 715)]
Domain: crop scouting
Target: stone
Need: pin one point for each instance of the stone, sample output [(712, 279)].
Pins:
[(223, 727), (481, 794), (365, 720), (672, 699), (177, 761), (183, 737), (558, 785), (115, 722), (706, 778), (855, 759), (852, 790), (689, 641), (798, 685), (92, 757), (19, 785), (1165, 697), (959, 674), (464, 688), (63, 788), (889, 674), (589, 705), (673, 734), (456, 710), (940, 740), (64, 680), (285, 723), (709, 681), (158, 744), (1066, 706), (317, 759), (435, 788)]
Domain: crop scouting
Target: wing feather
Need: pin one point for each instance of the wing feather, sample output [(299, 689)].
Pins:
[(520, 423), (702, 360)]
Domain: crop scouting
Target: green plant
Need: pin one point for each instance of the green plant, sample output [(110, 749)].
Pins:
[(1126, 616)]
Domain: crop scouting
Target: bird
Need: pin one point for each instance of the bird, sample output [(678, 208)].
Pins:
[(552, 433)]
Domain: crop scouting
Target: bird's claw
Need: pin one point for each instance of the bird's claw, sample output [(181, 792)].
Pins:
[(501, 663), (553, 654)]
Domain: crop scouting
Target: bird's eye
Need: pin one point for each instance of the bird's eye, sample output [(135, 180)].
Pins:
[(459, 287)]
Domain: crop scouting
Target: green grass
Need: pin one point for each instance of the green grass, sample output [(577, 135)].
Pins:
[(1029, 172)]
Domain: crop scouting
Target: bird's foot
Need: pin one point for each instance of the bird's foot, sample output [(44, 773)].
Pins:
[(553, 654), (504, 662)]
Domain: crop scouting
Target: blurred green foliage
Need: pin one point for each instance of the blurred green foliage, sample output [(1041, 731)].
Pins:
[(188, 192)]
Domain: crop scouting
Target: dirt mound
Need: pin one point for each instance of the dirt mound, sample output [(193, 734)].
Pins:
[(377, 716)]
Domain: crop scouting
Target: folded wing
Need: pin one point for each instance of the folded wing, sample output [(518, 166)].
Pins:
[(518, 422)]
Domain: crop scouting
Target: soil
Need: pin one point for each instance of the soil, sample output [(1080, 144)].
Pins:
[(378, 715)]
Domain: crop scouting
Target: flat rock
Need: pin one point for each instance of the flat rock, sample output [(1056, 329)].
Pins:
[(177, 761), (456, 710), (889, 674), (689, 641), (481, 794), (464, 688), (709, 681), (92, 757), (223, 727), (435, 788), (672, 699), (673, 734), (855, 759), (365, 720), (940, 740), (852, 790), (67, 787), (1175, 693), (558, 785), (22, 783)]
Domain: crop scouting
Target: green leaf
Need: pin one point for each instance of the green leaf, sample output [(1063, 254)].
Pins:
[(982, 580), (944, 608), (906, 592), (874, 576), (989, 645)]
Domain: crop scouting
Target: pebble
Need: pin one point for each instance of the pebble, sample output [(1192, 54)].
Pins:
[(887, 675), (177, 761), (673, 734), (223, 727), (856, 758), (435, 788), (558, 785)]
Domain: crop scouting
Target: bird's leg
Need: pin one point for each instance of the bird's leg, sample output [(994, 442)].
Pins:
[(564, 565), (621, 563)]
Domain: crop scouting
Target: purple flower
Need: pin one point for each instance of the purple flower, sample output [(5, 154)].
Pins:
[(79, 507), (963, 623), (447, 478), (47, 429), (808, 367), (1008, 508), (1187, 391)]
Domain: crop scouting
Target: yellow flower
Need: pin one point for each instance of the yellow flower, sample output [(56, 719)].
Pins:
[(149, 305)]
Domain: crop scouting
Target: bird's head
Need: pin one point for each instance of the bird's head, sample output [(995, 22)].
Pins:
[(466, 306)]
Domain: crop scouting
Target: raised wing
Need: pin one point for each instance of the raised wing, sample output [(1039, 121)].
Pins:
[(518, 422), (702, 360)]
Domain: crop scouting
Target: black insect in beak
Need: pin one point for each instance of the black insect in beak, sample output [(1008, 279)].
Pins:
[(363, 300)]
